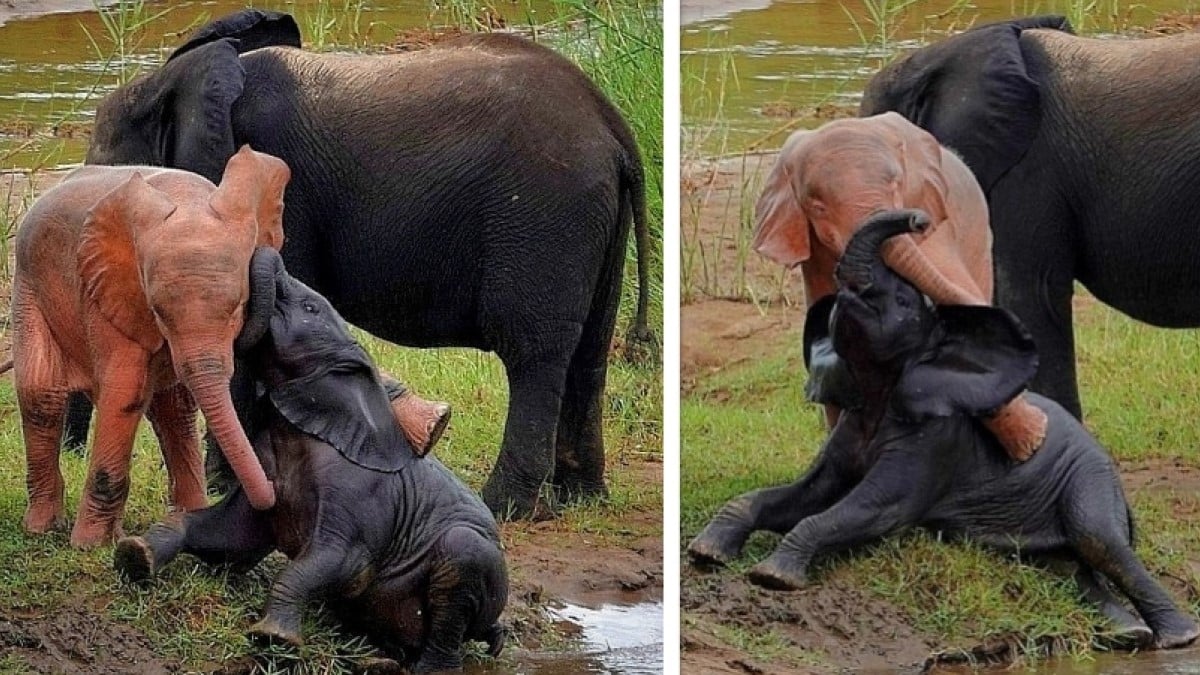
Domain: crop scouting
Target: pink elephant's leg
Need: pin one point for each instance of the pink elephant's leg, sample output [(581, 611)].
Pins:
[(121, 388), (173, 415), (42, 396)]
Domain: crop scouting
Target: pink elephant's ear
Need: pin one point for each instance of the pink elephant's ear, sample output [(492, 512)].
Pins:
[(780, 226), (108, 260)]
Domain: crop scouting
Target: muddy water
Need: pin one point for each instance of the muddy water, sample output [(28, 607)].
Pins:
[(1182, 662), (749, 66), (49, 68)]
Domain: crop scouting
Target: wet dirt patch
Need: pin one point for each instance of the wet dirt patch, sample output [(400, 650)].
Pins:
[(78, 640), (833, 622)]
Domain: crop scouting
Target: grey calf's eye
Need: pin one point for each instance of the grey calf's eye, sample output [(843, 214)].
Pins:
[(310, 308)]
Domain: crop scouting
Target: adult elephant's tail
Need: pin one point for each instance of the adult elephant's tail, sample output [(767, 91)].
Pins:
[(640, 338)]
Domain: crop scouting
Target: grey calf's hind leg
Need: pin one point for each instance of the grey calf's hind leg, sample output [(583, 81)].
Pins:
[(1098, 528), (1130, 632), (467, 591)]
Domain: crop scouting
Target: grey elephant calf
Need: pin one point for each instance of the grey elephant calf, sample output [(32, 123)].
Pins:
[(405, 552), (910, 450)]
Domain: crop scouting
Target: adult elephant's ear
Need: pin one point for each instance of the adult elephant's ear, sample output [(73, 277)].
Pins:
[(252, 28), (977, 360), (179, 116), (974, 92), (829, 379), (344, 405)]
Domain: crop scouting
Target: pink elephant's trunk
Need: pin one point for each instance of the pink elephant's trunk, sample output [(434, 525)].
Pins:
[(906, 259), (211, 390)]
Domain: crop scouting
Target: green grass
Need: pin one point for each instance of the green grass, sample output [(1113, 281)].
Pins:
[(750, 427), (197, 616)]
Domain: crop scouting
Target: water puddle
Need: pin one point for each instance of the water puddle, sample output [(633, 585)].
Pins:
[(612, 639), (1175, 662)]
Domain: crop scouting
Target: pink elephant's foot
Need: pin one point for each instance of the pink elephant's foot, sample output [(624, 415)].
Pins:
[(422, 422), (43, 517), (1020, 427), (90, 533)]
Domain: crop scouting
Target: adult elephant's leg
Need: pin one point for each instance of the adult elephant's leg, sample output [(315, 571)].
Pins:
[(172, 414), (229, 532), (536, 360), (579, 450), (777, 509), (892, 496), (1035, 277), (79, 418)]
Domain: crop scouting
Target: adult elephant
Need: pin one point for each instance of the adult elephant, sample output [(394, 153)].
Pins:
[(477, 194), (1089, 154)]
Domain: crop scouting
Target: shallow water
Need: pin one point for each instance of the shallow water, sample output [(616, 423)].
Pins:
[(748, 66), (48, 66), (610, 640)]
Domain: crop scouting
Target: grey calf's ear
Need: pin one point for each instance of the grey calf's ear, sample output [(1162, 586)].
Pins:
[(979, 359), (972, 92), (346, 408), (829, 379), (251, 28)]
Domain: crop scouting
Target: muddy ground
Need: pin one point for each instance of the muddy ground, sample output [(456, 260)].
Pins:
[(855, 629)]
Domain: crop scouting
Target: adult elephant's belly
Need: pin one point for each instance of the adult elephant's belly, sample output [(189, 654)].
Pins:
[(1157, 287)]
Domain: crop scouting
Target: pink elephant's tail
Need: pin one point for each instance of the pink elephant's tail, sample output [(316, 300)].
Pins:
[(6, 366)]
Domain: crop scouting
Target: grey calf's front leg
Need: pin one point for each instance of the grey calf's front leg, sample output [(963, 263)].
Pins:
[(229, 532), (893, 496), (777, 509)]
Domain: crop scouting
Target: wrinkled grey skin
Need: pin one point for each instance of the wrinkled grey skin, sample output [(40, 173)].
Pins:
[(909, 451), (1088, 151), (405, 551)]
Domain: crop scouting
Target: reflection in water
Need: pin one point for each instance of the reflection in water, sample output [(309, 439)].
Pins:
[(754, 66)]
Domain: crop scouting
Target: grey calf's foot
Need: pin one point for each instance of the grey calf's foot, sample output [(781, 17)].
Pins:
[(1177, 631), (272, 630), (495, 637), (722, 539), (779, 573), (134, 559)]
